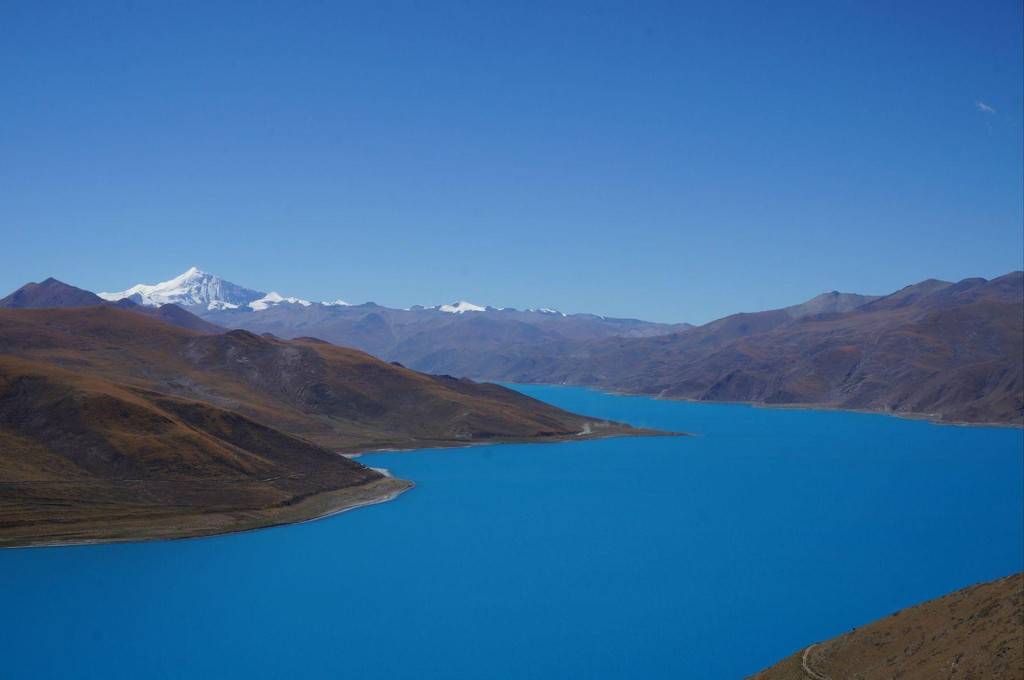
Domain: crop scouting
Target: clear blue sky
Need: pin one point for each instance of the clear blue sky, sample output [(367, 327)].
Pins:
[(670, 161)]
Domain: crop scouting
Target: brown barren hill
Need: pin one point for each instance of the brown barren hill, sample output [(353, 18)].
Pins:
[(337, 397), (973, 634), (83, 459)]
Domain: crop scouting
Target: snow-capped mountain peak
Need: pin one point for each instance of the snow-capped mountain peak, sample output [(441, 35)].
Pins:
[(460, 307), (196, 288), (192, 288)]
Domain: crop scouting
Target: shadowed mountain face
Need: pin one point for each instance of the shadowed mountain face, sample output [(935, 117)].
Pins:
[(977, 632), (53, 293), (951, 350), (49, 293)]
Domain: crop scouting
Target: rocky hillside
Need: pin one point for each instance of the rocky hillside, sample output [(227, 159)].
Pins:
[(953, 351)]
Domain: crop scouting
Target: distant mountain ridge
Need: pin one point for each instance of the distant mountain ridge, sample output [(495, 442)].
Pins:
[(951, 351), (196, 288), (954, 351), (460, 338), (52, 293)]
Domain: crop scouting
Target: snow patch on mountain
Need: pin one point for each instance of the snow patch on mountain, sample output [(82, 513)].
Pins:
[(273, 298), (545, 310)]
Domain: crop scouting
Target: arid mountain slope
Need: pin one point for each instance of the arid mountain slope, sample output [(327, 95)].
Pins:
[(49, 293), (82, 458), (975, 634), (954, 351), (337, 397)]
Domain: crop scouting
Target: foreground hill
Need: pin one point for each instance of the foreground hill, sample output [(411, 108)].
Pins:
[(116, 425), (954, 351), (977, 632), (82, 459)]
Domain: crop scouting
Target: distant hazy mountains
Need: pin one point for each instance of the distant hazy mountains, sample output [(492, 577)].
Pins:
[(460, 338), (952, 351)]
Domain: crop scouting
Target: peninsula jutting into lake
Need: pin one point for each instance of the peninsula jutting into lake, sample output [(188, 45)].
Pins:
[(120, 426)]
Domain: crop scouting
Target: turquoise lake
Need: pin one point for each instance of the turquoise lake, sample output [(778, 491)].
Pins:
[(670, 557)]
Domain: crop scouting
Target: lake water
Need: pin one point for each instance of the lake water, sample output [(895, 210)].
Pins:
[(698, 557)]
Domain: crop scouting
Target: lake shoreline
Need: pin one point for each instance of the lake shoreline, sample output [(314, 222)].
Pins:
[(319, 506), (933, 418), (612, 558)]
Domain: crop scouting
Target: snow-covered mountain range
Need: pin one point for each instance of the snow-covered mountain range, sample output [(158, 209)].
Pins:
[(196, 288)]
